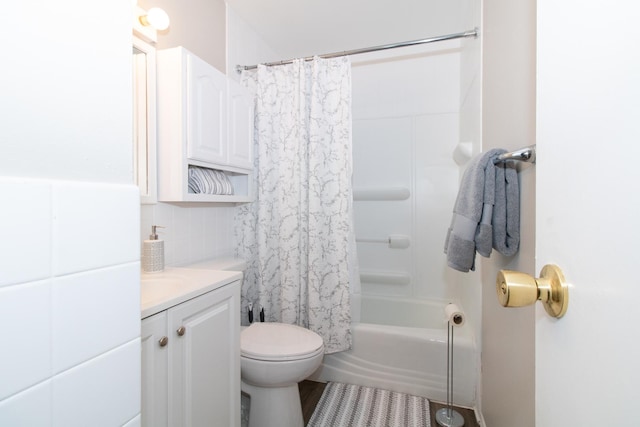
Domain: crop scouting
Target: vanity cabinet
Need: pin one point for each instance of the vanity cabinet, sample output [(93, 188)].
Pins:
[(204, 119), (191, 362)]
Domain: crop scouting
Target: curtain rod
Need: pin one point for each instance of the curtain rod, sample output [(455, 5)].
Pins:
[(471, 33)]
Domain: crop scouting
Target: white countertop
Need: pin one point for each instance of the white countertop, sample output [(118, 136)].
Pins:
[(222, 263), (159, 291)]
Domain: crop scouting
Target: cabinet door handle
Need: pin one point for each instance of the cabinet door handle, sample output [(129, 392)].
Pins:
[(181, 330), (163, 341)]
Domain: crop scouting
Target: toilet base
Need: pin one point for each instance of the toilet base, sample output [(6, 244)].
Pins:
[(274, 406)]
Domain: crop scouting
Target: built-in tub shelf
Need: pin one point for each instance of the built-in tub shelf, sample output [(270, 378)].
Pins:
[(463, 153), (385, 277), (381, 194)]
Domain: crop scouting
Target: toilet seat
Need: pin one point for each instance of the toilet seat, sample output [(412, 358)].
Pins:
[(270, 341)]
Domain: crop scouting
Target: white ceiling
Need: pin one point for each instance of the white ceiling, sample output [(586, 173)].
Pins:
[(297, 28)]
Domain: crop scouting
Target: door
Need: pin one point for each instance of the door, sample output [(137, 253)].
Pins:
[(588, 211)]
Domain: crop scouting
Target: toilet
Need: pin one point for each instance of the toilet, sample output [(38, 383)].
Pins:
[(274, 358)]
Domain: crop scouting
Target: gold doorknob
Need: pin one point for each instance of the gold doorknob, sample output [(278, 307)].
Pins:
[(516, 289)]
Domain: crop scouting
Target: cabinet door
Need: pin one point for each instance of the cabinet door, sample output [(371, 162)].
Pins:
[(240, 126), (206, 112), (155, 358), (204, 380)]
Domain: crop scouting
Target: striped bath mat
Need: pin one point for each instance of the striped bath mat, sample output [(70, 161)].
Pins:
[(351, 405)]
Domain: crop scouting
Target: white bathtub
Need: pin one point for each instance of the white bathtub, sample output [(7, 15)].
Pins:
[(401, 345)]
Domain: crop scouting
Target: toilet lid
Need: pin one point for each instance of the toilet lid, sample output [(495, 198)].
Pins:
[(273, 341)]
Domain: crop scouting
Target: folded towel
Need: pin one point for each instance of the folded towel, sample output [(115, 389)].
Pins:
[(208, 181), (506, 210), (486, 214)]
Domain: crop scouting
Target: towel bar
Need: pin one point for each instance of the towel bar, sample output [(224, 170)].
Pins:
[(527, 154)]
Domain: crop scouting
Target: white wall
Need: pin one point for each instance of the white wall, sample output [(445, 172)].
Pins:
[(69, 260), (193, 231), (198, 25), (508, 121), (197, 231), (244, 45)]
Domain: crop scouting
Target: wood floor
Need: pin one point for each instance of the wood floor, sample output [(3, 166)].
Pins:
[(311, 391)]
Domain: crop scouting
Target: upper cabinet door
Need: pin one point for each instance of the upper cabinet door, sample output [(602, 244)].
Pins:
[(207, 112), (240, 120)]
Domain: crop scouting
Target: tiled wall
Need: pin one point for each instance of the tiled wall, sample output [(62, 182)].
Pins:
[(69, 303), (192, 231)]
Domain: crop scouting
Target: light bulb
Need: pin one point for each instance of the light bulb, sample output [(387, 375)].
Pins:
[(157, 18)]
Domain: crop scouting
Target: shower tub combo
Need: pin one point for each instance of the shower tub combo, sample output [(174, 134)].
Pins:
[(401, 345)]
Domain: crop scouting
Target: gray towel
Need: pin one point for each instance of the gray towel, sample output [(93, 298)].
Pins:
[(486, 214), (506, 210)]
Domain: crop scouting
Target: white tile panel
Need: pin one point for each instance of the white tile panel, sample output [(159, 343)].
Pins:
[(420, 80), (25, 230), (94, 225), (31, 408), (103, 392), (25, 316), (94, 312), (136, 422)]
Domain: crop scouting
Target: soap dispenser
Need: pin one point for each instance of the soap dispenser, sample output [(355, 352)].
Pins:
[(153, 252)]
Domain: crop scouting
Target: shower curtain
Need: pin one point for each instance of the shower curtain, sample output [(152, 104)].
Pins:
[(297, 236)]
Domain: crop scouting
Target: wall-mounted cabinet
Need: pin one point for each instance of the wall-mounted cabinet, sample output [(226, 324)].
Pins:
[(205, 120)]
